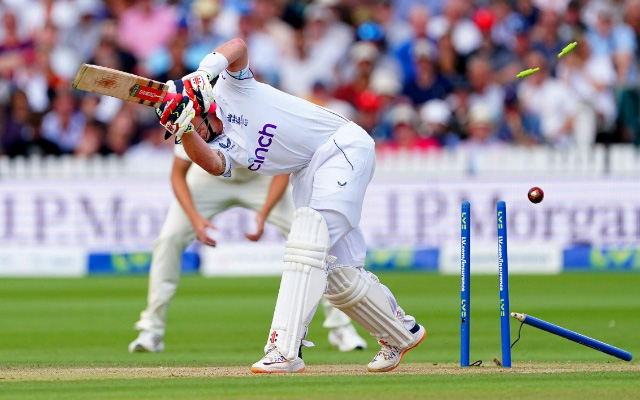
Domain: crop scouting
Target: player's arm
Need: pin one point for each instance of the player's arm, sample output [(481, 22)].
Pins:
[(212, 161), (236, 53), (183, 194), (232, 56), (276, 191)]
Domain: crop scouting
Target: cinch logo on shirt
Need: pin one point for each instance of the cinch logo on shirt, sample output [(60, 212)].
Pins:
[(264, 141), (241, 120)]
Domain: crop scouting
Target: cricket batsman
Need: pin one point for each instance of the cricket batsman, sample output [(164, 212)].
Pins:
[(199, 197), (331, 161)]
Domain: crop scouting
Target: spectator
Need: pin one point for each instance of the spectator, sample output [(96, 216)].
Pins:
[(518, 126), (546, 39), (428, 84), (298, 73), (89, 105), (368, 105), (364, 56), (61, 14), (498, 54), (322, 97), (418, 21), (521, 47), (404, 132), (522, 41), (145, 26), (11, 39), (87, 28), (266, 13), (387, 86), (528, 11), (168, 63), (202, 22), (151, 146), (557, 6), (592, 80), (459, 103), (396, 31), (403, 8), (36, 79), (572, 26), (201, 31), (372, 33), (481, 128), (63, 125), (450, 65), (31, 141), (265, 53), (632, 18), (436, 118), (64, 61), (483, 89), (327, 42), (506, 22), (465, 36), (551, 101), (14, 125), (629, 98), (616, 41), (109, 53), (92, 139), (120, 133)]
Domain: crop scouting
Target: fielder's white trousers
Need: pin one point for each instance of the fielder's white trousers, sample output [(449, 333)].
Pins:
[(211, 195)]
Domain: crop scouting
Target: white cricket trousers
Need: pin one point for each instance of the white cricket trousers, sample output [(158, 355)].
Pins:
[(334, 184)]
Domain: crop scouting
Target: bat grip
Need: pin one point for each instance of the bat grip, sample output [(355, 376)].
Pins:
[(174, 96)]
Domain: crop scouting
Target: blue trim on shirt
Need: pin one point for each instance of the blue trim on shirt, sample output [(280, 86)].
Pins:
[(345, 155), (331, 112), (239, 78)]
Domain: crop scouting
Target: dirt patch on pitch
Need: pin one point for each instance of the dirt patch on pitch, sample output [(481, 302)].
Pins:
[(73, 374)]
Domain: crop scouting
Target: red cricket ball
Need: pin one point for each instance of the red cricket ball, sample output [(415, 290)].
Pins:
[(535, 195)]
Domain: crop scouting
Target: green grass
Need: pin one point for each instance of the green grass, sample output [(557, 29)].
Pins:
[(570, 386), (64, 323)]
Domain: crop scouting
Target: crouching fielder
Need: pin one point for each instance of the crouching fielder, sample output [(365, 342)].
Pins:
[(331, 161)]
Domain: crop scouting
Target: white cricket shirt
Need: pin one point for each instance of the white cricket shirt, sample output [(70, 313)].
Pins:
[(270, 132)]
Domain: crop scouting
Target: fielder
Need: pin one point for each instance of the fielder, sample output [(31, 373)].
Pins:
[(199, 197), (331, 161)]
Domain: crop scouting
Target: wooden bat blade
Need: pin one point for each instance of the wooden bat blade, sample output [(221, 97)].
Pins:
[(122, 85)]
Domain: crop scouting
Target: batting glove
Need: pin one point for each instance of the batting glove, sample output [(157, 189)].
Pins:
[(197, 86), (176, 116)]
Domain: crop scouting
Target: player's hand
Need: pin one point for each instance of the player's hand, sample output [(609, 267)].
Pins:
[(200, 226), (176, 116), (197, 86), (254, 237)]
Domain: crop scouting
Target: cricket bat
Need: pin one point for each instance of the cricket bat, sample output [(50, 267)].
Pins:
[(122, 85)]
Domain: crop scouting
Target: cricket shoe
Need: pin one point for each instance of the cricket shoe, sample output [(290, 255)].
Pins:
[(389, 357), (345, 338), (147, 341), (274, 362)]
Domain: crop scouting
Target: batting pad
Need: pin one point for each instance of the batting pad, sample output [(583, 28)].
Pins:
[(303, 281), (364, 300)]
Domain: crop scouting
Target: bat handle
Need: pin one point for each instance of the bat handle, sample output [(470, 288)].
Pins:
[(174, 96)]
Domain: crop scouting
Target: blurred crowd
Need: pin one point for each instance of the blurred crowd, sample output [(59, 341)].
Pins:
[(416, 74)]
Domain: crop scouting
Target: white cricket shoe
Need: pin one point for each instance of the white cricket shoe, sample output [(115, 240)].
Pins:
[(274, 362), (345, 338), (389, 357), (147, 341)]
